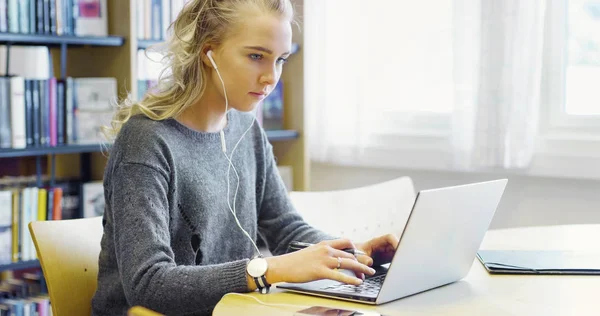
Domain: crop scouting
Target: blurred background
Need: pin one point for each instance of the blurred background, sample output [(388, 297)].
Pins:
[(455, 91)]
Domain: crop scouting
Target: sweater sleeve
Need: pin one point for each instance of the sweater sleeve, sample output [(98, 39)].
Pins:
[(150, 276), (278, 220)]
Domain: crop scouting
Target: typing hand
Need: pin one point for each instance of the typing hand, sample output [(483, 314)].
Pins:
[(319, 261), (379, 250)]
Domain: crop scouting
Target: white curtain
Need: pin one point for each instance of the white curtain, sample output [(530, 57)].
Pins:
[(333, 78), (380, 67), (498, 69)]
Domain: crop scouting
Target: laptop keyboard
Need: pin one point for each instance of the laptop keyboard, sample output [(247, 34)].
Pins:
[(369, 286)]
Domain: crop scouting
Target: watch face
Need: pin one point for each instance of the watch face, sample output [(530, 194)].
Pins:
[(257, 267)]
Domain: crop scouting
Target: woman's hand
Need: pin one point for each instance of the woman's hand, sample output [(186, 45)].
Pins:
[(320, 261), (379, 250)]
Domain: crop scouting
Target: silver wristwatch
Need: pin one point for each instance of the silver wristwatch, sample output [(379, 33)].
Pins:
[(257, 268)]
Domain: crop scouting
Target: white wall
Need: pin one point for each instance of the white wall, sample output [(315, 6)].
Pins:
[(527, 201)]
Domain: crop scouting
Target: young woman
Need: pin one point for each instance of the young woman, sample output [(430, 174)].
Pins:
[(191, 179)]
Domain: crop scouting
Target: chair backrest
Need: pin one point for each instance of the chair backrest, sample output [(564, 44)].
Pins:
[(68, 251), (361, 213)]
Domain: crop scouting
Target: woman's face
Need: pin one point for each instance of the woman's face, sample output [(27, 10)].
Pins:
[(251, 59)]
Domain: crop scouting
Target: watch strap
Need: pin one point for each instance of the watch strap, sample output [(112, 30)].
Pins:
[(262, 284)]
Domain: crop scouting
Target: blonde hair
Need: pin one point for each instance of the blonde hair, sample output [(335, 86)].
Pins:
[(182, 82)]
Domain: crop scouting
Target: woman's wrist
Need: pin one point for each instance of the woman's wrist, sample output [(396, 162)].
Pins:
[(272, 275), (274, 270)]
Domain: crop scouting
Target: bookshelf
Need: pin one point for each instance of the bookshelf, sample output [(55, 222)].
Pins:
[(115, 56), (56, 40), (43, 151), (122, 63), (91, 148), (20, 265)]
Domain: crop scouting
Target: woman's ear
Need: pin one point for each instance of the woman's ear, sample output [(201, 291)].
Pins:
[(204, 57)]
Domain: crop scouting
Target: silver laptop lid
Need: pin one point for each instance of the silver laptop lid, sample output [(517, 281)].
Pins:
[(441, 238)]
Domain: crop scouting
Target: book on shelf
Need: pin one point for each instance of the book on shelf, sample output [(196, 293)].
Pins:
[(20, 205), (53, 112), (5, 228), (155, 16), (54, 17), (271, 112), (93, 108), (149, 66), (32, 62), (93, 199), (91, 18), (5, 126), (23, 294)]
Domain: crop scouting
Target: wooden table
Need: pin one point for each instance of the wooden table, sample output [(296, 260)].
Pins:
[(477, 294)]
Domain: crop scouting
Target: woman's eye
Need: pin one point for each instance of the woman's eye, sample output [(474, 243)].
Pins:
[(282, 60), (256, 56)]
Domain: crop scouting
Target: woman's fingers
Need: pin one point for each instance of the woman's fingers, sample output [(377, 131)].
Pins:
[(339, 243), (341, 277), (366, 260), (340, 253), (351, 264)]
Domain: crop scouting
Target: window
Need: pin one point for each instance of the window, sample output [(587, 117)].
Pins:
[(575, 67), (410, 49), (583, 65), (452, 79)]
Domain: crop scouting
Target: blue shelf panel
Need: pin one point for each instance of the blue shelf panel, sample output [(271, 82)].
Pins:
[(55, 40), (143, 44), (90, 148), (42, 151), (282, 135), (20, 265)]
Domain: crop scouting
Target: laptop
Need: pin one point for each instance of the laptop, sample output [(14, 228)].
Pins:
[(437, 247)]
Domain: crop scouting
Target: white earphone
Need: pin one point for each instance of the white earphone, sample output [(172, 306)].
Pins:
[(230, 157), (212, 61)]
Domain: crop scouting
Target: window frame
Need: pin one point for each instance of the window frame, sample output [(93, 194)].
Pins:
[(555, 121)]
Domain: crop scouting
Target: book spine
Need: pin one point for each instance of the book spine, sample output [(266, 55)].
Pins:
[(39, 16), (29, 112), (75, 120), (166, 18), (32, 216), (147, 19), (74, 16), (50, 204), (35, 114), (52, 16), (24, 16), (15, 225), (46, 9), (32, 16), (53, 112), (60, 112), (3, 16), (17, 112), (60, 17), (58, 200), (69, 16), (69, 99), (5, 125), (156, 19), (23, 220), (44, 109), (13, 16), (42, 204), (140, 14)]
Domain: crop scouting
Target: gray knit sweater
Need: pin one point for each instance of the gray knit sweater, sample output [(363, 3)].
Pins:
[(170, 242)]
